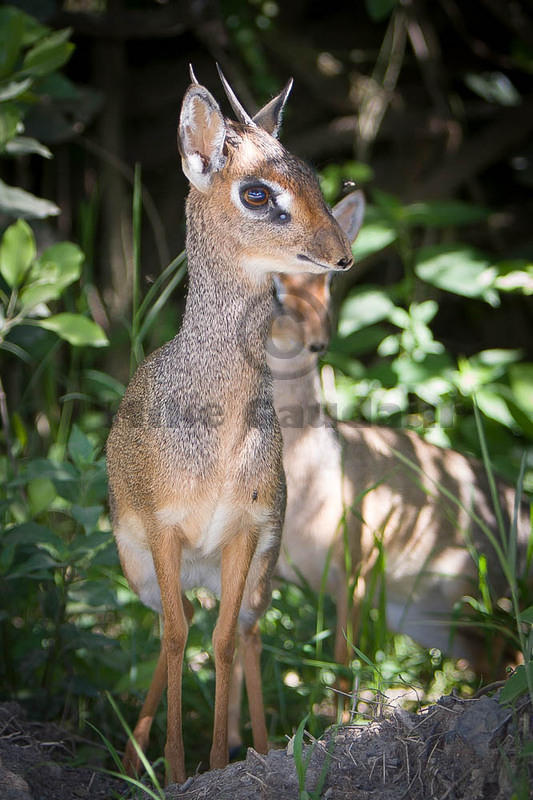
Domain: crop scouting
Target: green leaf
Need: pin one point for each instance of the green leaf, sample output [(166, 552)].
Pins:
[(379, 9), (10, 117), (17, 252), (61, 88), (441, 214), (87, 516), (76, 329), (457, 268), (425, 311), (11, 38), (16, 202), (80, 447), (41, 494), (40, 565), (59, 264), (31, 533), (494, 407), (24, 145), (527, 615), (515, 275), (373, 236), (364, 307), (37, 294), (521, 380), (494, 87), (104, 384), (13, 89), (49, 54), (517, 684), (364, 341), (497, 357)]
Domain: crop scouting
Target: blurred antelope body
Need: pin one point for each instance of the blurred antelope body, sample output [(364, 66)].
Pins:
[(350, 483), (195, 453)]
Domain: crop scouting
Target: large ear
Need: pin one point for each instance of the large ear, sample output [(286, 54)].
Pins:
[(349, 213), (269, 117), (201, 135)]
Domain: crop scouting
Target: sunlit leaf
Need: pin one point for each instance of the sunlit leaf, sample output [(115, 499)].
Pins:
[(17, 202), (17, 252), (24, 145), (13, 89), (494, 407), (521, 379), (373, 237), (457, 268), (59, 264), (364, 307), (494, 87), (76, 329)]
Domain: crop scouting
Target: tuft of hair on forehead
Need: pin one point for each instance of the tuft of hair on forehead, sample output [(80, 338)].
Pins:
[(249, 146), (253, 150)]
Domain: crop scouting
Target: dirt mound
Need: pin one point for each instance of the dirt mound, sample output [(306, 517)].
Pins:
[(456, 749)]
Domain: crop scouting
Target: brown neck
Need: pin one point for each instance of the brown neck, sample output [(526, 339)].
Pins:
[(227, 315)]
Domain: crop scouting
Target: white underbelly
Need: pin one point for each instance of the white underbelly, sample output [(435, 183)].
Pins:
[(200, 555)]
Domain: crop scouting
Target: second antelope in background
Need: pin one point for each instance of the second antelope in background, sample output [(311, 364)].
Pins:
[(195, 453), (348, 483)]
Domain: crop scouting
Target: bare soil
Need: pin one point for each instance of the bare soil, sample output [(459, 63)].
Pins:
[(455, 749)]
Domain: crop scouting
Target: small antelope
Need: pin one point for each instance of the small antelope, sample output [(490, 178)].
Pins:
[(339, 471), (197, 490)]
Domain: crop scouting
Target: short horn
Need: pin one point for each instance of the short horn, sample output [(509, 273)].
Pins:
[(242, 115), (269, 117), (194, 79)]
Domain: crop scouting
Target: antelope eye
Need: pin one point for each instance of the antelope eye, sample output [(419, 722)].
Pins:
[(255, 196)]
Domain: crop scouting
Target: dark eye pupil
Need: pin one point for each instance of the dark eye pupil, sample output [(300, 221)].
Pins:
[(256, 196)]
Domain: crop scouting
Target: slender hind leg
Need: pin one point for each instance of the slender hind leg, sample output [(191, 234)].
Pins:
[(252, 672)]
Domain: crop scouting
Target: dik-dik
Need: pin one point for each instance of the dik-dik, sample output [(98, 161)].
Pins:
[(346, 484), (195, 452)]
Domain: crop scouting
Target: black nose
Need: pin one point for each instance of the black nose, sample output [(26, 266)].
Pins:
[(345, 262), (317, 347)]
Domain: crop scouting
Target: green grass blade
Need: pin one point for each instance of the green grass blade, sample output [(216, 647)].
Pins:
[(136, 351)]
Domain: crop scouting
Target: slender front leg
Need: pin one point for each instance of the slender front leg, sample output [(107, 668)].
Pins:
[(166, 551), (251, 641), (236, 559), (141, 732)]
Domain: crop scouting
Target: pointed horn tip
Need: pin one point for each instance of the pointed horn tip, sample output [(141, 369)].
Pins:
[(194, 79), (235, 103)]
